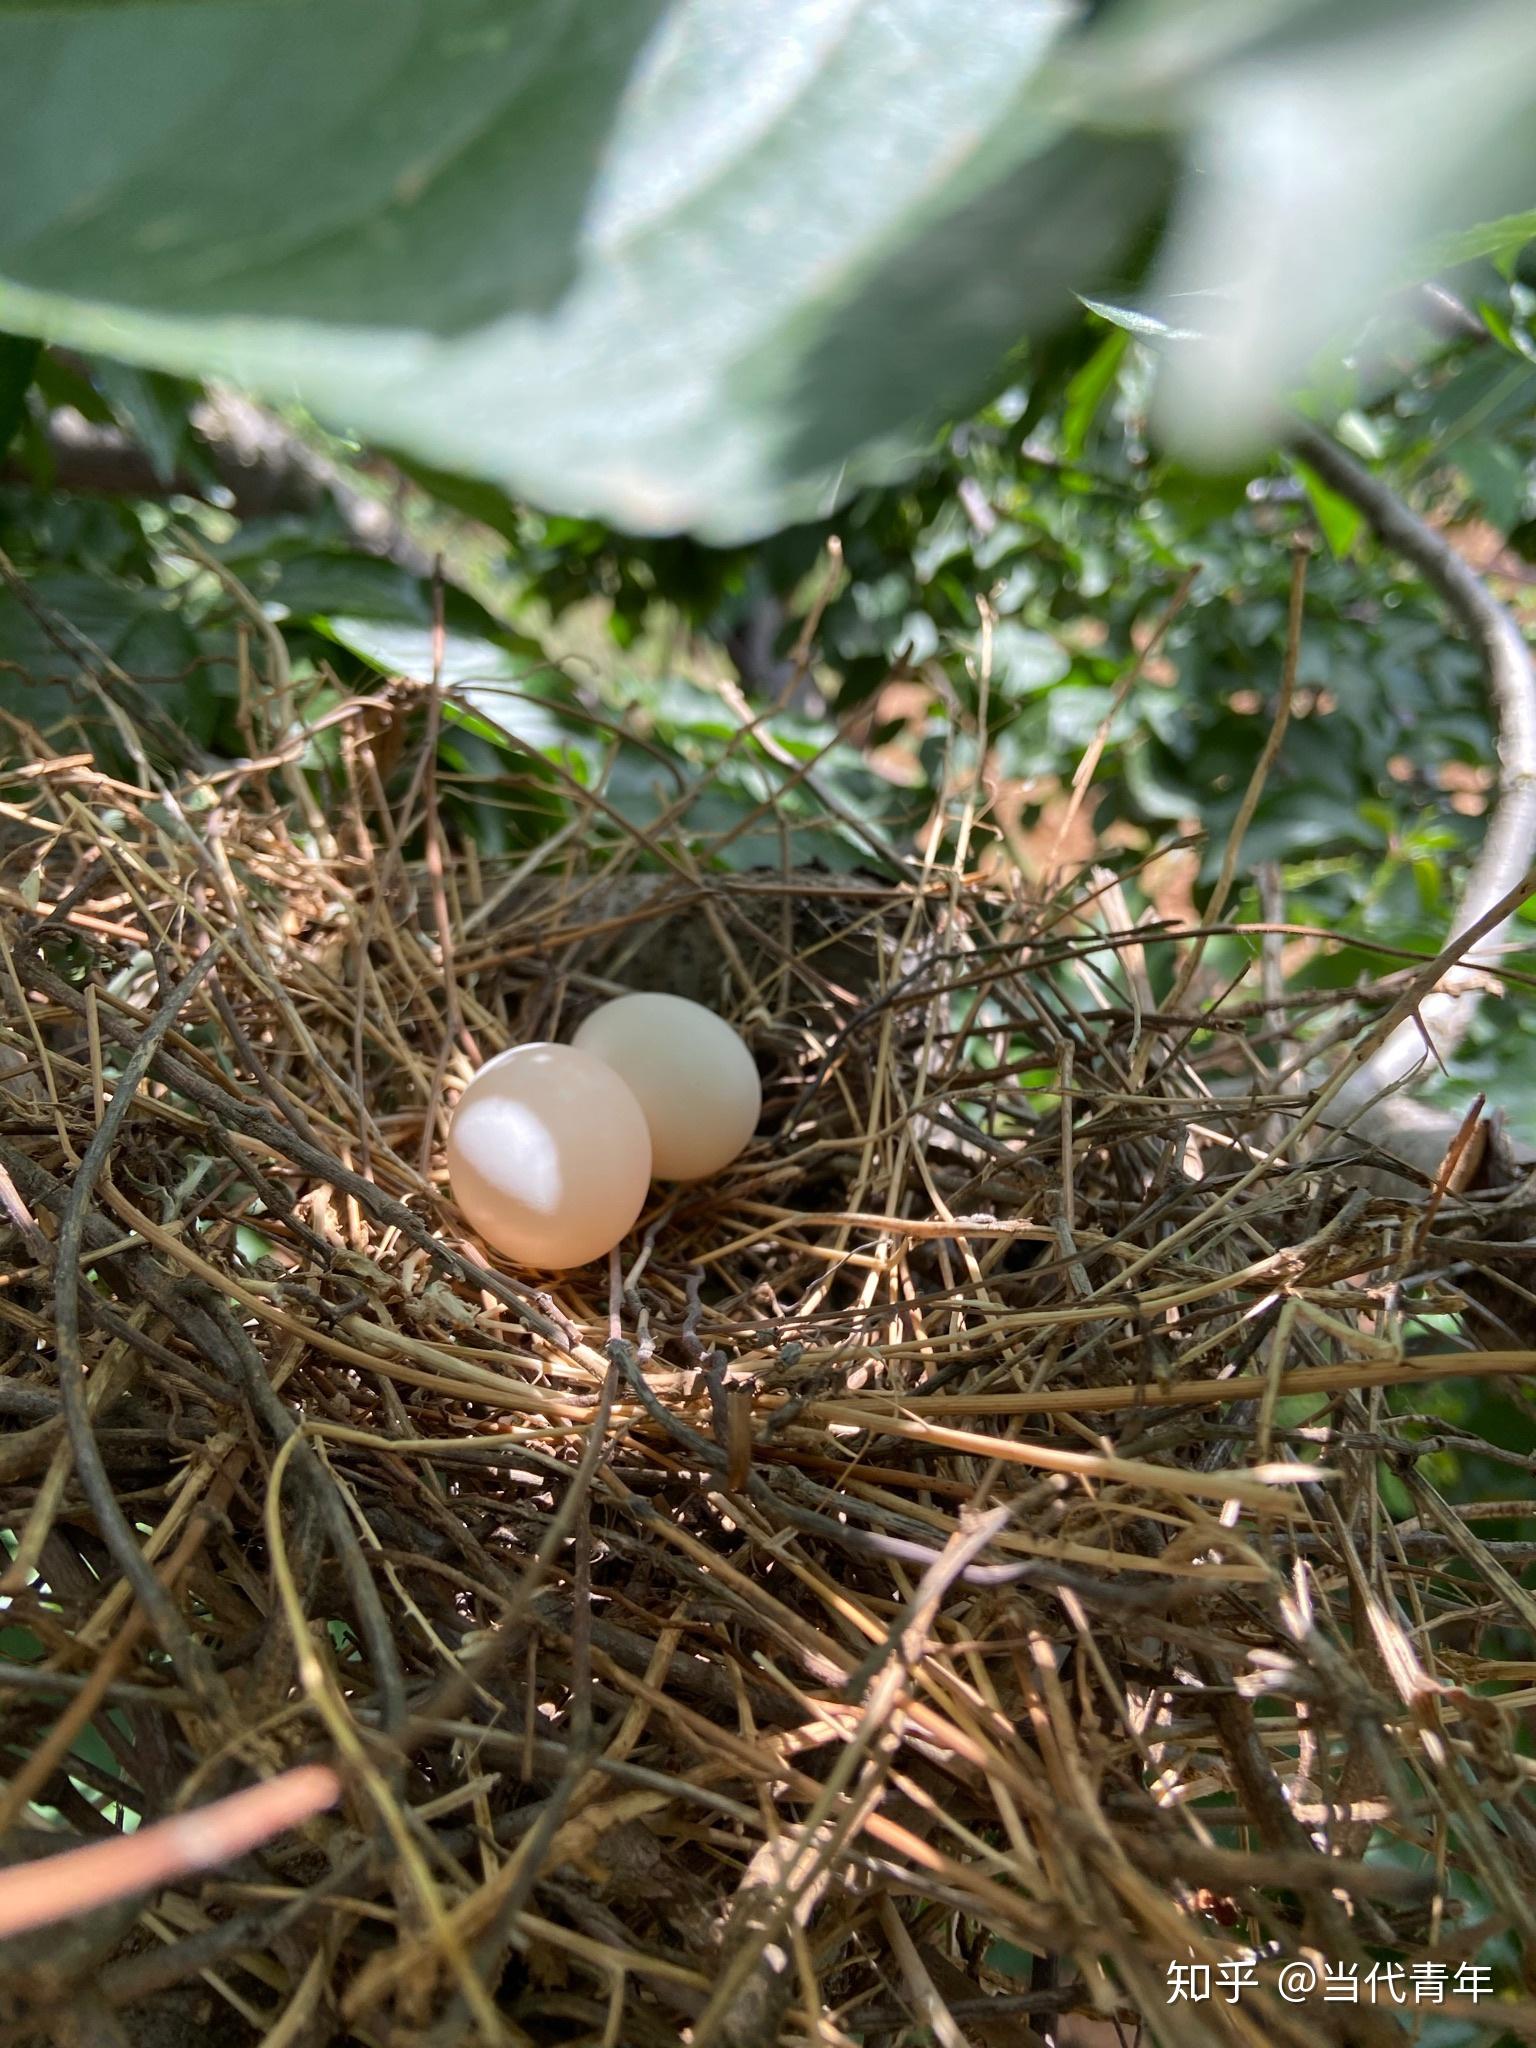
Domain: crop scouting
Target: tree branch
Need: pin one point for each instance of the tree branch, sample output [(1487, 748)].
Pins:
[(259, 469), (1373, 1102)]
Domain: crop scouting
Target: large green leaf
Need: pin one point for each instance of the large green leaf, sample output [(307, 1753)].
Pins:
[(1338, 153), (708, 264), (675, 262)]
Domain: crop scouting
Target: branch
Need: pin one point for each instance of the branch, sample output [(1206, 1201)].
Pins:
[(74, 1881), (1371, 1101), (259, 469)]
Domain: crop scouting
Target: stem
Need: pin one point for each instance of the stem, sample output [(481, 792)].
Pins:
[(1369, 1101)]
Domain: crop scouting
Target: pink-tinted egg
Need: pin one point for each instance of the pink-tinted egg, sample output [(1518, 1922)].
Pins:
[(691, 1074), (549, 1156)]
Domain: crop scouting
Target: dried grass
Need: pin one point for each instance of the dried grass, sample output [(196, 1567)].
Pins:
[(957, 1535)]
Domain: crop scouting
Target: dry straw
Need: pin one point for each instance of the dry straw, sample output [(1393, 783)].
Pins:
[(950, 1570)]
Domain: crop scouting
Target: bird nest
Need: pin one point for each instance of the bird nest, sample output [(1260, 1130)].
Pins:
[(969, 1573)]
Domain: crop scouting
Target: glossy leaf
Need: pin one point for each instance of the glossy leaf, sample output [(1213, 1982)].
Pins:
[(498, 679), (686, 264)]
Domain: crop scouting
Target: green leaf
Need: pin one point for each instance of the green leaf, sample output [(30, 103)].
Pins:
[(1137, 321), (317, 584), (503, 682), (1024, 661), (1496, 239), (1088, 390), (71, 613), (152, 408), (408, 650), (674, 262), (60, 383), (1340, 522), (18, 363), (1287, 823), (1498, 324), (1497, 479), (1155, 785), (481, 501)]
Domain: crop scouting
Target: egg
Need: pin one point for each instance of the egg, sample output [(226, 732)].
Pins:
[(549, 1157), (689, 1071)]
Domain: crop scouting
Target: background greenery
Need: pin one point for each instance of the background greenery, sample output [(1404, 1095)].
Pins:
[(994, 601)]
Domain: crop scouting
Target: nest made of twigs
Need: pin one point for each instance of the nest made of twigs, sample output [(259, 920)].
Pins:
[(940, 1578)]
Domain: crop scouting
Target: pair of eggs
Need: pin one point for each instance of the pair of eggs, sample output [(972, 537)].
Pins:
[(552, 1148)]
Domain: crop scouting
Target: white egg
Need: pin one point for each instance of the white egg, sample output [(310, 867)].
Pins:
[(549, 1156), (691, 1074)]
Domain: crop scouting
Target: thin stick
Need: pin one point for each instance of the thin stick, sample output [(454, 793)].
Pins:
[(77, 1881)]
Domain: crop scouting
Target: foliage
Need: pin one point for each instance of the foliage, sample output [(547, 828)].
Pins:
[(1047, 529), (1050, 517), (132, 601), (678, 265), (1017, 576)]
